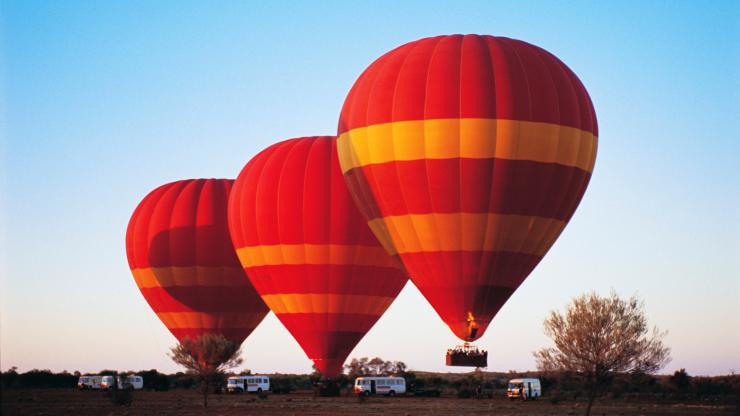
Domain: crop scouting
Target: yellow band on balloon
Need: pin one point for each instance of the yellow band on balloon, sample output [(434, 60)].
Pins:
[(337, 254), (476, 138), (147, 277), (327, 303), (467, 232), (193, 320)]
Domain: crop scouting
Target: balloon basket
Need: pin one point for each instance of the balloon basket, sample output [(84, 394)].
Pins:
[(466, 355), (327, 388)]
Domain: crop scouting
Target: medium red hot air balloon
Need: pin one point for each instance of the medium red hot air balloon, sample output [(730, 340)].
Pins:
[(182, 259), (308, 251), (468, 155)]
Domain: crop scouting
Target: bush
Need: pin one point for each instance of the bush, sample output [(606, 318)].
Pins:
[(154, 380), (465, 393)]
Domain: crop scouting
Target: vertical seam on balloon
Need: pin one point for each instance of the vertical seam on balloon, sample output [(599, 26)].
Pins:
[(333, 156), (568, 192), (536, 54), (224, 244), (292, 146), (198, 234), (253, 168), (227, 185), (401, 69), (423, 252), (352, 176), (553, 229), (530, 100), (379, 195), (483, 268), (222, 186), (267, 154), (460, 255), (316, 144), (178, 191), (233, 220), (200, 184), (496, 234), (159, 295), (169, 235)]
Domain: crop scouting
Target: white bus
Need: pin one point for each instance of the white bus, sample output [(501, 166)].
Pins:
[(524, 388), (131, 382), (89, 382), (380, 385), (251, 384)]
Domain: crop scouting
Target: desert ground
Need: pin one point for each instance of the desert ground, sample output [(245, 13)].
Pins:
[(188, 402)]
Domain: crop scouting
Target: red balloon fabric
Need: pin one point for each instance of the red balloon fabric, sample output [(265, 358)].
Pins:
[(180, 253), (308, 251), (468, 155)]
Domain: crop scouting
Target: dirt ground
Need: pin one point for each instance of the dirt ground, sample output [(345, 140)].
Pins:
[(185, 403)]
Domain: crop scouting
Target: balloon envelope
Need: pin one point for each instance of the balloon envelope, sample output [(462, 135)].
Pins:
[(182, 259), (468, 155), (308, 251)]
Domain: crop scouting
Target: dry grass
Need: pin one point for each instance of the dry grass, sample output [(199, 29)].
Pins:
[(188, 402)]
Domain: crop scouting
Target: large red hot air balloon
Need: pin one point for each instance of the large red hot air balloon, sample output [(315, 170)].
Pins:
[(308, 251), (182, 259), (468, 155)]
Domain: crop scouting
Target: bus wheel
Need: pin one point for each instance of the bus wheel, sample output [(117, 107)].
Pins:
[(259, 389), (366, 393), (391, 393)]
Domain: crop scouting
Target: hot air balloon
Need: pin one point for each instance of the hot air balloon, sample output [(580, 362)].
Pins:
[(467, 155), (182, 259), (308, 251)]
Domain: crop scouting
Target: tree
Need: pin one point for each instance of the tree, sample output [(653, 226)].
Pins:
[(207, 357), (680, 380), (399, 368), (357, 367), (364, 366), (597, 337), (378, 367)]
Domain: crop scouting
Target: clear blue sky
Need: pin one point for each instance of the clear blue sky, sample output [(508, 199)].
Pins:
[(103, 101)]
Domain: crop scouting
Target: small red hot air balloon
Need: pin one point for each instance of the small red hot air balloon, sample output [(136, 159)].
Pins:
[(182, 259), (467, 155), (308, 251)]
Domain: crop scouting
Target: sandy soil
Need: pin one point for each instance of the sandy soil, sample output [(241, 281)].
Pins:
[(186, 403)]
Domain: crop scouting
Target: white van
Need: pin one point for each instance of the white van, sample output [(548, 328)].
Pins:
[(524, 388), (251, 384), (380, 385), (130, 383), (89, 382)]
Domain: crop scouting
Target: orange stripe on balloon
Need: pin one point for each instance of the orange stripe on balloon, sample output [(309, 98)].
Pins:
[(277, 254), (462, 231), (289, 303), (476, 138), (209, 321), (147, 277)]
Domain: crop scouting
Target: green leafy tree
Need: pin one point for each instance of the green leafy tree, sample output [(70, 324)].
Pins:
[(597, 337), (207, 357)]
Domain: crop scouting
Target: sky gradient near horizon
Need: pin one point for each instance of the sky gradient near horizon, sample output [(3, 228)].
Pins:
[(104, 101)]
